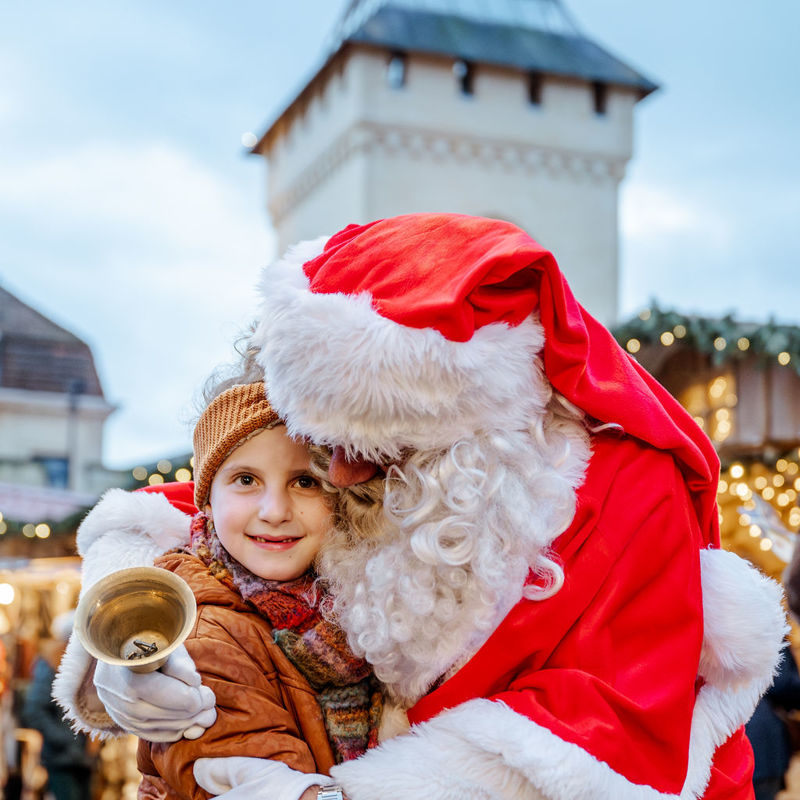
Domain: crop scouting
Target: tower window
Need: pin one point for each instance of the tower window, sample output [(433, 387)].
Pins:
[(600, 97), (396, 71), (535, 88), (56, 471), (464, 72)]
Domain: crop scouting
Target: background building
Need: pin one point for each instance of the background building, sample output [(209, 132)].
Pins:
[(52, 412), (486, 107), (741, 383)]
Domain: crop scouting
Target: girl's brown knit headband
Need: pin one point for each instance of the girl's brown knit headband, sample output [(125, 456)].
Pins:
[(230, 419)]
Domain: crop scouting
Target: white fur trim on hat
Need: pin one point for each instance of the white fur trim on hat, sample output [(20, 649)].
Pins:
[(342, 374), (128, 529)]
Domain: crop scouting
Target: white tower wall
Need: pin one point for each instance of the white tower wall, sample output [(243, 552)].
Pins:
[(352, 149)]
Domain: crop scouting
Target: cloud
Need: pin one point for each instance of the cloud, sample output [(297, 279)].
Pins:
[(716, 248), (143, 220), (153, 191), (654, 213), (149, 255), (12, 93)]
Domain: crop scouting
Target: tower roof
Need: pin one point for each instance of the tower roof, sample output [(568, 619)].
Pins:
[(527, 35), (543, 15), (530, 35), (38, 355)]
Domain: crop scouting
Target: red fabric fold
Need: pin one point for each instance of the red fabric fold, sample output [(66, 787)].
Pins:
[(179, 493)]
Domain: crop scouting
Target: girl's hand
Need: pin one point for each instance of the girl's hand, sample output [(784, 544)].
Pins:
[(245, 778), (160, 706)]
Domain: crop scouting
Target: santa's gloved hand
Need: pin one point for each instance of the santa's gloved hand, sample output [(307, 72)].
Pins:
[(159, 706), (242, 778)]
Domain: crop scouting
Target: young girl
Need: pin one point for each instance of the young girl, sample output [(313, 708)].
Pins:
[(287, 686)]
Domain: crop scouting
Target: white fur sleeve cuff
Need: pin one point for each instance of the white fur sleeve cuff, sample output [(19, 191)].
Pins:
[(485, 751), (128, 529), (74, 691), (453, 756)]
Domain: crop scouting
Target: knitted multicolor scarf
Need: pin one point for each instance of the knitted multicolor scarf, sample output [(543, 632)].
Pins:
[(347, 691)]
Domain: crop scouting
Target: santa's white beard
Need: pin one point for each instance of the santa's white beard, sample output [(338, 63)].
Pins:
[(459, 534)]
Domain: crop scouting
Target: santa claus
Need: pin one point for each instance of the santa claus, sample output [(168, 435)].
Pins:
[(530, 559)]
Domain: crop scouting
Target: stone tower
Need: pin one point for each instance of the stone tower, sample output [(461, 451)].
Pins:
[(499, 108)]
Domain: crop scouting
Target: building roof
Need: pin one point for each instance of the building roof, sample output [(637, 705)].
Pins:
[(34, 504), (544, 15), (529, 35), (526, 35), (36, 354)]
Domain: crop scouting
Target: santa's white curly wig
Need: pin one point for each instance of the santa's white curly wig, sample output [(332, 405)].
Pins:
[(424, 564)]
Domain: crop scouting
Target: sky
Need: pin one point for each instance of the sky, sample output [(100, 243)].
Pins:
[(131, 214)]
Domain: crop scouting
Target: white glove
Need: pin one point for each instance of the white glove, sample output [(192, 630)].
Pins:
[(159, 706), (241, 778)]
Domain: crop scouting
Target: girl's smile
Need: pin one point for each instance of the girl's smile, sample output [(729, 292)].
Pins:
[(269, 512)]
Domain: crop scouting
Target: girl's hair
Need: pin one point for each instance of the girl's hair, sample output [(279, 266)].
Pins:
[(245, 370), (360, 502)]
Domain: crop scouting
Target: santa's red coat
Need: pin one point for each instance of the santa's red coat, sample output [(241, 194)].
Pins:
[(610, 662)]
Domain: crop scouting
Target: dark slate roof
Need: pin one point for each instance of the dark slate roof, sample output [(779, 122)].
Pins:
[(527, 35), (558, 50), (545, 15), (38, 355)]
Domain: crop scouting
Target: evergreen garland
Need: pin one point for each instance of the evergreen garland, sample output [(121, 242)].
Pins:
[(721, 338)]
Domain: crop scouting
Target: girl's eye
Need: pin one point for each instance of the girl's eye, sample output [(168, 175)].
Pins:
[(246, 480), (306, 482)]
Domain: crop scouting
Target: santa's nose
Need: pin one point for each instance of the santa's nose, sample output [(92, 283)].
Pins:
[(344, 472)]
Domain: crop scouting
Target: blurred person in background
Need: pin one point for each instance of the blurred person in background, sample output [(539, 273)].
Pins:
[(773, 734), (65, 754), (7, 742), (769, 733)]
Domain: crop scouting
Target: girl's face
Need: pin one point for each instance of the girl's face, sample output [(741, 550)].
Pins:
[(269, 512)]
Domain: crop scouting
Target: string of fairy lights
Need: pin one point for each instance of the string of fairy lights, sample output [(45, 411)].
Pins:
[(30, 530), (164, 471), (723, 339), (758, 511), (757, 496), (145, 477), (776, 484)]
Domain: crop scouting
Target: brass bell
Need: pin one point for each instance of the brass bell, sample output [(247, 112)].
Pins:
[(135, 617)]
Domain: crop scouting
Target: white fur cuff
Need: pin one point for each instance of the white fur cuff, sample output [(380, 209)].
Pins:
[(743, 621), (128, 529), (74, 692), (450, 757), (141, 513), (483, 749)]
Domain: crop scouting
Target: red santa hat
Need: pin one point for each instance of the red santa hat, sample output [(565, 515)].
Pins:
[(419, 330)]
